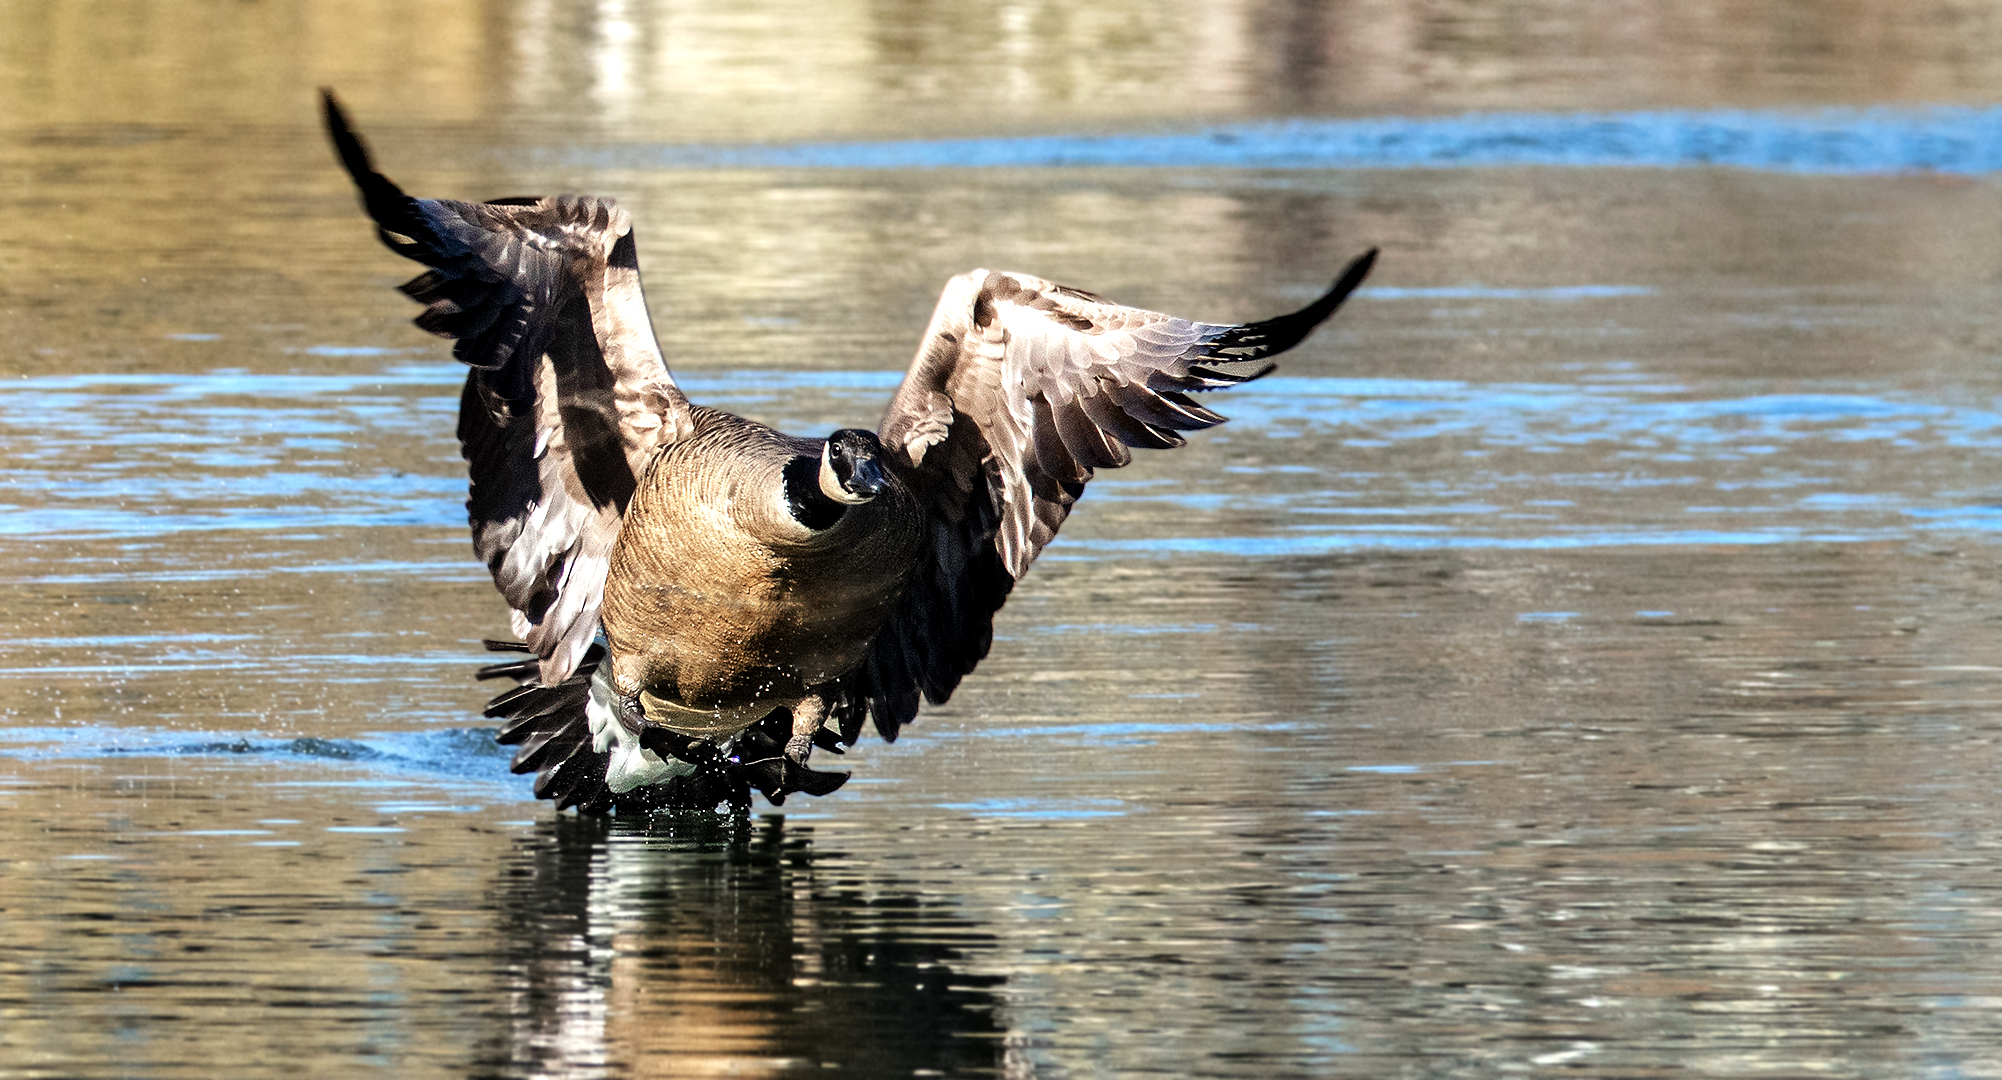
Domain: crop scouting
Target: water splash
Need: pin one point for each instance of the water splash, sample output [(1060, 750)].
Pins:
[(454, 756)]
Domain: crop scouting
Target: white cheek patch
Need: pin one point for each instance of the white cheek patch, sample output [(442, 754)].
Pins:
[(830, 485)]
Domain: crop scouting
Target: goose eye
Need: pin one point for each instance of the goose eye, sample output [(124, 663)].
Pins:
[(833, 483)]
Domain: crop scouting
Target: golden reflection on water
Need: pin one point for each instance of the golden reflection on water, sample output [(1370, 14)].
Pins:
[(783, 69)]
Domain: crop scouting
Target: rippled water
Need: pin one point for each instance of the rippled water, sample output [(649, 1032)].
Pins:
[(1578, 658)]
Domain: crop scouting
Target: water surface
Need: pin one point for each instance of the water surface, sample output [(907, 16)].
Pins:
[(1578, 658)]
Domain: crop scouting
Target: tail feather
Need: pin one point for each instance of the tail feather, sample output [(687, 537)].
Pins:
[(519, 669), (550, 727)]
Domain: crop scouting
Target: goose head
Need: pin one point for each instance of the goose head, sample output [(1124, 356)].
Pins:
[(848, 472), (851, 467)]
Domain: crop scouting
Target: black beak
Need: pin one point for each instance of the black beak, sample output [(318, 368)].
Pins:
[(866, 479)]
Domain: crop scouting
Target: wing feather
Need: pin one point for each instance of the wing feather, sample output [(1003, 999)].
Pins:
[(567, 399), (1020, 390)]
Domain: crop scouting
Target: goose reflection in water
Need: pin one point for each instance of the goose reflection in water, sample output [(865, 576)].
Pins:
[(711, 946)]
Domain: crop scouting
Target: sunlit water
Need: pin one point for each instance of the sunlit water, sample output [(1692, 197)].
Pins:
[(1578, 658)]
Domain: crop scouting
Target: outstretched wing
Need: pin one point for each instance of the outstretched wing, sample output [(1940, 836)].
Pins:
[(1020, 390), (568, 397)]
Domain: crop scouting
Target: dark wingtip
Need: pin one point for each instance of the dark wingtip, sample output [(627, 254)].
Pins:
[(384, 201), (347, 145), (1352, 275), (1317, 312), (1260, 339)]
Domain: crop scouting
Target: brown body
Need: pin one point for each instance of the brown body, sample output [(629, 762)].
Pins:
[(718, 602)]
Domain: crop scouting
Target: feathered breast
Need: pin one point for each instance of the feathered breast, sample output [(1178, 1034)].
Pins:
[(715, 590)]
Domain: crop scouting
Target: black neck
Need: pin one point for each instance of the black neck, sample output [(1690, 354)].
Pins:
[(810, 507)]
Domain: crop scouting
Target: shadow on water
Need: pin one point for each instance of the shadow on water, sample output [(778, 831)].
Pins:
[(701, 944)]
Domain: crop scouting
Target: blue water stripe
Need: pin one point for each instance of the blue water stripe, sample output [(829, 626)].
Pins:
[(1946, 139)]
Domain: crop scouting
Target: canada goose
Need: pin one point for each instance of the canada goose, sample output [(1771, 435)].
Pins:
[(706, 599)]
